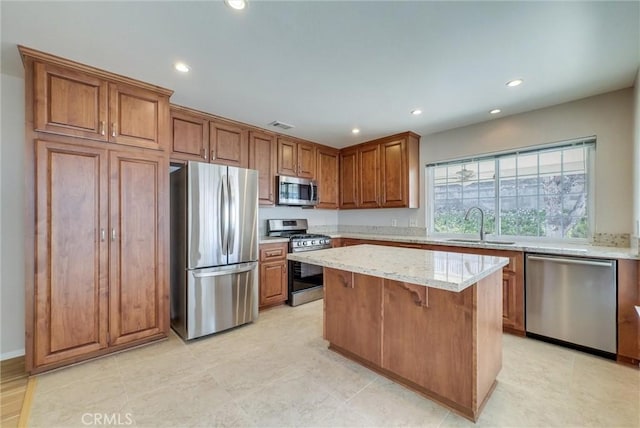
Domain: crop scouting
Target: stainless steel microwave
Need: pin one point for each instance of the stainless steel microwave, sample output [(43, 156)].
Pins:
[(297, 191)]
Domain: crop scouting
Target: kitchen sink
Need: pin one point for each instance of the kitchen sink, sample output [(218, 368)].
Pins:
[(477, 241)]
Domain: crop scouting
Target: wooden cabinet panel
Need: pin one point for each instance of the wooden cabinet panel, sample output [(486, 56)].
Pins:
[(262, 157), (71, 252), (393, 170), (287, 157), (349, 179), (446, 328), (228, 144), (70, 103), (306, 160), (628, 318), (189, 137), (327, 177), (353, 317), (273, 283), (369, 180), (138, 280)]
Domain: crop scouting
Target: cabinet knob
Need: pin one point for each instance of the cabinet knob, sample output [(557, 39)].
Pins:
[(113, 234), (103, 235), (204, 153), (213, 154), (102, 130), (113, 129)]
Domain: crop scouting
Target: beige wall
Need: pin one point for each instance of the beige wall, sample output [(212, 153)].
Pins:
[(608, 116), (12, 220)]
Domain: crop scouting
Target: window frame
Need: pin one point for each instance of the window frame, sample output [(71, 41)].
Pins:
[(590, 171)]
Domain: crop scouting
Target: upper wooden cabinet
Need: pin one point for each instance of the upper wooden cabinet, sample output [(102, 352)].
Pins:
[(262, 157), (80, 101), (349, 178), (296, 158), (228, 144), (381, 174), (327, 177), (189, 135)]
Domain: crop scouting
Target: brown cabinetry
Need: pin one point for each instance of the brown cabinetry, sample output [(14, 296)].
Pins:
[(353, 318), (296, 158), (273, 274), (262, 157), (381, 173), (100, 240), (75, 102), (189, 136), (96, 226), (228, 144), (327, 177), (628, 317)]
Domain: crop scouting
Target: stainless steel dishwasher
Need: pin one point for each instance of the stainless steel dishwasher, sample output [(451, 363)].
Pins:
[(572, 301)]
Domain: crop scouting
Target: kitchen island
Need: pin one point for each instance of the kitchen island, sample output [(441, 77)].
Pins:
[(430, 320)]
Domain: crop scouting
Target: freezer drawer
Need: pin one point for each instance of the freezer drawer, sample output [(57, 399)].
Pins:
[(572, 300), (217, 299)]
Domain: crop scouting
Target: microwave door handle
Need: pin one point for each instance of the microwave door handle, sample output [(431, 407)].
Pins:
[(312, 188)]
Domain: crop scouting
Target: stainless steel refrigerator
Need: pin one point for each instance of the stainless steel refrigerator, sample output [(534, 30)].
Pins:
[(214, 248)]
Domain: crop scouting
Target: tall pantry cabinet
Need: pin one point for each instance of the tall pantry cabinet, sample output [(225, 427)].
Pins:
[(97, 204)]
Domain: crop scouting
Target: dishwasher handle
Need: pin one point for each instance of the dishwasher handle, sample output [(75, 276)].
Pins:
[(572, 261)]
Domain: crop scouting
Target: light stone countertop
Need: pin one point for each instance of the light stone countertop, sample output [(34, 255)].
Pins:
[(272, 240), (436, 269), (564, 249)]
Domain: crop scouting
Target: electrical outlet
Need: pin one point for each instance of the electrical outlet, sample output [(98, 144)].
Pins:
[(413, 222), (394, 222)]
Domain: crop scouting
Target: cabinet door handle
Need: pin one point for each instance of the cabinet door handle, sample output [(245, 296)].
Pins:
[(113, 234), (213, 154), (103, 235), (102, 130), (204, 153), (113, 129)]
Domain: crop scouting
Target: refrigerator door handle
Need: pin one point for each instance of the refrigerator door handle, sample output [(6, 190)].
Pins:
[(245, 267), (224, 216), (231, 199)]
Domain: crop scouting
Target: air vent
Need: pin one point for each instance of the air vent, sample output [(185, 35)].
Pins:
[(281, 125)]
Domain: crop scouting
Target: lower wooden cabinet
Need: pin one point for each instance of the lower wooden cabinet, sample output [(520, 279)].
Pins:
[(273, 274), (628, 317), (352, 313), (100, 238)]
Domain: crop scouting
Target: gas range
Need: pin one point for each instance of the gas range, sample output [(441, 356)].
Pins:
[(305, 280), (299, 239)]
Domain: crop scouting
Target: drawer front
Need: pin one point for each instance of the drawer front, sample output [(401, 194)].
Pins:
[(270, 252)]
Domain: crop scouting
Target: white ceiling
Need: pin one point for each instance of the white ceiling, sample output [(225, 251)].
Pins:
[(329, 66)]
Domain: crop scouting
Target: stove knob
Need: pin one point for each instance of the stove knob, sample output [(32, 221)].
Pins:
[(313, 242), (304, 243)]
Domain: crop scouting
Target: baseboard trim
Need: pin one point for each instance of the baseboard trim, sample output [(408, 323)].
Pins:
[(12, 354)]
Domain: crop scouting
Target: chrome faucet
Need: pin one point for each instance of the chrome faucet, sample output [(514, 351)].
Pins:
[(466, 217)]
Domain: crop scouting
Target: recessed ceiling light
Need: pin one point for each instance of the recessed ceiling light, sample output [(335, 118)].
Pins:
[(416, 112), (495, 111), (182, 67), (514, 82), (355, 131), (236, 4)]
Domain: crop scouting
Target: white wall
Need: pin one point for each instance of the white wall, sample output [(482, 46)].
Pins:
[(11, 219), (316, 217), (608, 116)]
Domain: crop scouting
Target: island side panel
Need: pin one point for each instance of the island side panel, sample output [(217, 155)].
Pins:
[(487, 336), (430, 341), (352, 305)]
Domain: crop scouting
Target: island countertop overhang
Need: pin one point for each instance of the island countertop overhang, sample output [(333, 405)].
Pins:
[(437, 269)]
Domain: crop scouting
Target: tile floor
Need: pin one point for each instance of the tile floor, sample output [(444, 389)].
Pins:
[(278, 372)]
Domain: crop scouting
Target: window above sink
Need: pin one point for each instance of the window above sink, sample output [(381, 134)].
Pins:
[(537, 193)]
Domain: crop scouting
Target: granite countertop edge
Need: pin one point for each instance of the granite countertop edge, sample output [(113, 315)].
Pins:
[(530, 247), (315, 257)]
